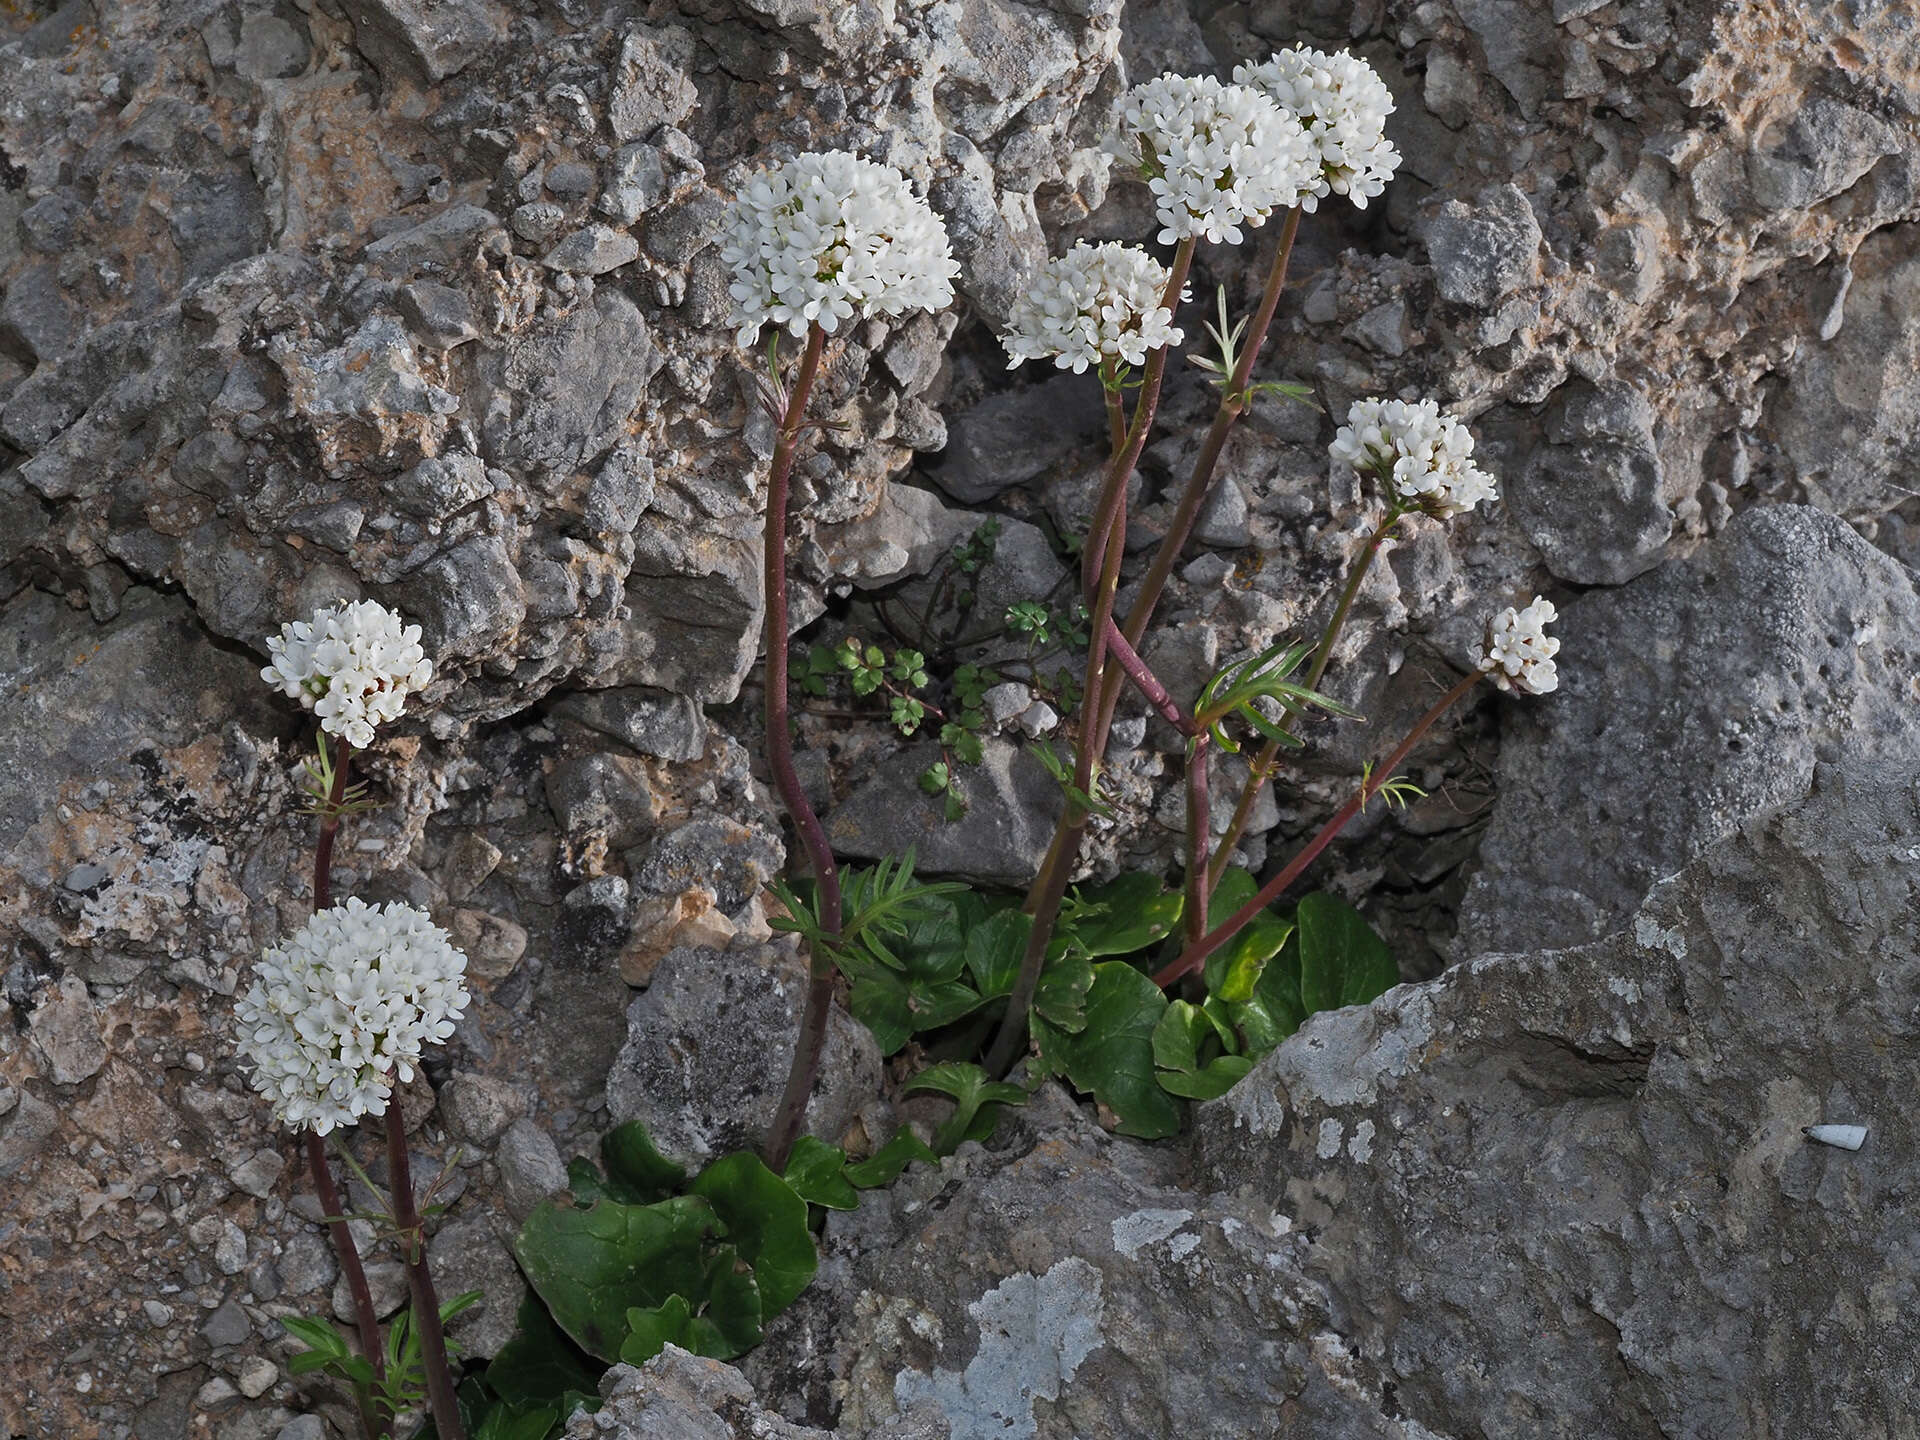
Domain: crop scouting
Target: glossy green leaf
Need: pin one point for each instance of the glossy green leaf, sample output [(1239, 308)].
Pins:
[(934, 1006), (319, 1336), (1113, 1057), (1179, 1035), (883, 1004), (1123, 916), (1342, 962), (994, 948), (651, 1329), (508, 1423), (1234, 969), (889, 1160), (540, 1363), (735, 1308), (766, 1220), (592, 1266), (1209, 1082), (637, 1173), (966, 1083), (816, 1171), (1061, 996)]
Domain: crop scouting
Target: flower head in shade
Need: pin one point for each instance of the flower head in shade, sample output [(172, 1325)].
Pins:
[(829, 235), (352, 665), (1519, 652), (1094, 303), (1344, 106), (344, 1006), (1216, 156), (1425, 457)]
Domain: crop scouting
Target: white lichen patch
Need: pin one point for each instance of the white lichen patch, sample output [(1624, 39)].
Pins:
[(1035, 1331), (1648, 934), (1329, 1146), (1360, 1147), (1133, 1233)]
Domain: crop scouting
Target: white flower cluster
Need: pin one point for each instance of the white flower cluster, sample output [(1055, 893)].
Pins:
[(1519, 653), (345, 1005), (1344, 106), (1216, 156), (829, 234), (352, 665), (1093, 303), (1426, 457)]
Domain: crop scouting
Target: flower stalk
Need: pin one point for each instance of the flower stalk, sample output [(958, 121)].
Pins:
[(1106, 545), (1268, 758), (1196, 952), (368, 1324), (426, 1303), (791, 1114)]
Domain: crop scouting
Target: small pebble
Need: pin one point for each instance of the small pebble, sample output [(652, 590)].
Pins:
[(257, 1377), (158, 1315), (1841, 1137)]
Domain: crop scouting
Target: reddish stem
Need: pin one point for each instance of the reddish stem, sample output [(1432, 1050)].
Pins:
[(1195, 955), (426, 1304), (1106, 543), (335, 1218), (1270, 752), (1198, 821), (791, 1114), (1145, 681)]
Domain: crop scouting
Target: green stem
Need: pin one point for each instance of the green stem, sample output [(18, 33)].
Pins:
[(1196, 952), (791, 1114), (1323, 653)]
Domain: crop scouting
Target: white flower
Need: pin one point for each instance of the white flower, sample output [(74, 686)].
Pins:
[(1426, 457), (1215, 155), (352, 665), (1344, 106), (344, 1006), (1094, 302), (1519, 652), (828, 235)]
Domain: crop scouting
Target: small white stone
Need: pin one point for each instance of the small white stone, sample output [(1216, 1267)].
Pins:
[(1037, 719), (216, 1391), (1841, 1137), (158, 1315), (257, 1377), (230, 1250)]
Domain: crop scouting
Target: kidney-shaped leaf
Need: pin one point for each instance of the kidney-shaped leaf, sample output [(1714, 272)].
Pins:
[(1342, 962), (766, 1220)]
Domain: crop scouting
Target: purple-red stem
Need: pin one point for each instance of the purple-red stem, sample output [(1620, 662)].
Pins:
[(1145, 681), (1270, 752), (1198, 821), (791, 1114), (426, 1304), (1106, 544), (349, 1253), (1195, 955)]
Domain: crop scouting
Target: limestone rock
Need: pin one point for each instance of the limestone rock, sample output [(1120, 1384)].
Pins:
[(1691, 701)]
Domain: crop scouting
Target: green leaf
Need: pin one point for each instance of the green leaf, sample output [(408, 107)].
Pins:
[(969, 750), (1177, 1038), (540, 1363), (1125, 915), (936, 1005), (464, 1301), (966, 1083), (505, 1423), (591, 1266), (734, 1310), (766, 1220), (651, 1329), (882, 1004), (637, 1173), (308, 1361), (815, 1170), (994, 949), (1234, 969), (1342, 962), (1113, 1057), (1275, 1011), (1208, 1083), (889, 1160), (1061, 996), (319, 1336)]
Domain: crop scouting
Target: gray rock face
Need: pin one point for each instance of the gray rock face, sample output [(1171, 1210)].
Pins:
[(1484, 252), (1587, 1232), (1692, 700), (1593, 498), (707, 1048), (1012, 807), (677, 1396), (429, 38)]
